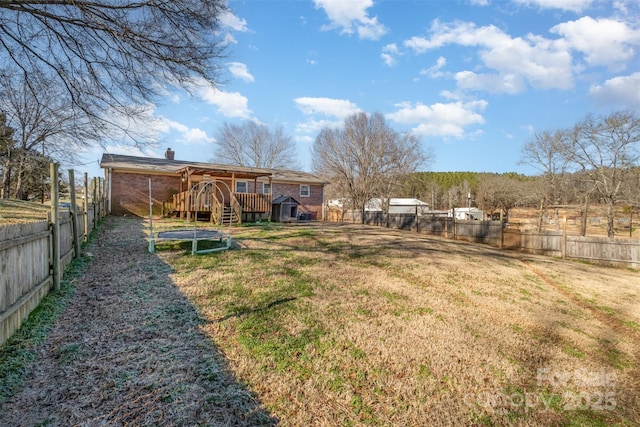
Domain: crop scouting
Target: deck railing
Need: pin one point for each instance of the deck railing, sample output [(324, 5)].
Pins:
[(253, 202), (185, 201)]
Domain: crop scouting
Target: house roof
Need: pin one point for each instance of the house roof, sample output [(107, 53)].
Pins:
[(283, 199), (165, 166), (296, 176)]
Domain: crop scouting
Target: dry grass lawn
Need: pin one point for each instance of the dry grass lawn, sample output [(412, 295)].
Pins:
[(17, 211), (335, 324)]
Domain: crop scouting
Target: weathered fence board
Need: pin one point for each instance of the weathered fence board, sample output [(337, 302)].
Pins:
[(26, 259), (24, 272), (66, 239), (489, 232), (620, 252), (543, 243)]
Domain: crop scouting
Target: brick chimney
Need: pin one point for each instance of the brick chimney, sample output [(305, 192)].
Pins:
[(169, 154)]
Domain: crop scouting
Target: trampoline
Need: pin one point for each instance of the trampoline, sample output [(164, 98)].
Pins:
[(190, 235), (194, 234)]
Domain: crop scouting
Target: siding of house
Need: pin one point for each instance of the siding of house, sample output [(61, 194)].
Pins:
[(128, 183), (311, 204), (130, 192)]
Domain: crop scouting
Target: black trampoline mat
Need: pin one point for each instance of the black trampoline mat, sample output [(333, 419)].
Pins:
[(189, 234)]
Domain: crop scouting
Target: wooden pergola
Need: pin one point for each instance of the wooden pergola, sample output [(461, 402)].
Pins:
[(219, 199)]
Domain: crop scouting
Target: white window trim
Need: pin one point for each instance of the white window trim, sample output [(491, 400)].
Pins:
[(264, 184), (246, 183), (308, 188)]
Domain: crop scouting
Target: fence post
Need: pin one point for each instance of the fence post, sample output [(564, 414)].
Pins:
[(85, 206), (99, 194), (103, 197), (94, 198), (417, 224), (55, 225), (564, 237), (501, 231), (454, 225), (74, 215)]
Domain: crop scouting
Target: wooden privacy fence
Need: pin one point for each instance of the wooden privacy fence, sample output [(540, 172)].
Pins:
[(29, 264), (603, 250)]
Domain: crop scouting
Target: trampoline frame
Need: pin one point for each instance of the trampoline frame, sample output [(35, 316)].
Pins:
[(220, 234)]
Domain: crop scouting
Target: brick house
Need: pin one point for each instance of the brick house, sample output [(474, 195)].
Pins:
[(188, 188)]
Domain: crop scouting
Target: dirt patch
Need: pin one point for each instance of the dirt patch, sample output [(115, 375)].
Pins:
[(129, 351)]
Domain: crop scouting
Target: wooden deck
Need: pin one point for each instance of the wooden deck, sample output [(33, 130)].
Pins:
[(184, 205)]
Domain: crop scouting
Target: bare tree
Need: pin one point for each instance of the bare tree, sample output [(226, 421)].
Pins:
[(7, 146), (606, 149), (253, 144), (501, 192), (551, 154), (366, 157), (45, 127), (112, 57)]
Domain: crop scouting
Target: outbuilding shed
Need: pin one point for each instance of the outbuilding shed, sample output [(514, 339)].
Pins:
[(284, 209)]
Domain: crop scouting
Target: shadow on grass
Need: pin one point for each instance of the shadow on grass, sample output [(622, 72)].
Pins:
[(129, 350), (245, 311)]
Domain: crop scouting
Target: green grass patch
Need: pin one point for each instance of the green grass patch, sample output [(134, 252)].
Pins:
[(616, 358), (631, 324), (266, 338), (571, 351), (607, 310), (516, 328), (581, 418)]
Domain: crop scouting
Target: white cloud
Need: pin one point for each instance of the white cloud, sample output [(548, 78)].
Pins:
[(196, 136), (336, 109), (445, 120), (389, 54), (492, 83), (541, 62), (313, 127), (603, 41), (228, 19), (230, 104), (240, 71), (352, 17), (569, 5), (187, 135), (229, 39), (339, 108), (434, 71), (479, 2), (622, 91), (311, 58)]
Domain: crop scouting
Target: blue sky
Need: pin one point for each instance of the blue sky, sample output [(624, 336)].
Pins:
[(473, 79)]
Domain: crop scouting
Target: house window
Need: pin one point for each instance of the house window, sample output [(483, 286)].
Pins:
[(242, 187), (266, 188), (305, 191)]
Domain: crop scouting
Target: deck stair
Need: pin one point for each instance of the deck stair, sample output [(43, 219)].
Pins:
[(229, 216)]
